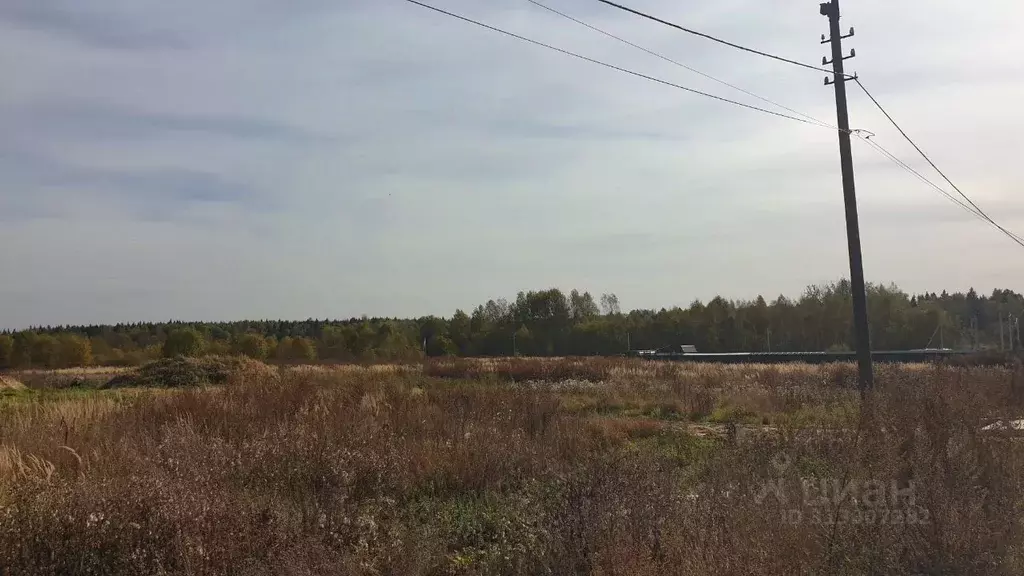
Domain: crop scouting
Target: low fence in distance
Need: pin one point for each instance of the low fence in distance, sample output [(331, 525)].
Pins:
[(889, 356)]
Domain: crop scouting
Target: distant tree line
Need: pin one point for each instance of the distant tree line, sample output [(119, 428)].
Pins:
[(543, 323)]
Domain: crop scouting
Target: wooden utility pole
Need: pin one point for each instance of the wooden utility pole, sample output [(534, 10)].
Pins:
[(860, 305), (1017, 327), (1013, 325), (1002, 339)]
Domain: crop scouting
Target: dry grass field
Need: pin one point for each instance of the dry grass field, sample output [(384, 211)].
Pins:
[(519, 466)]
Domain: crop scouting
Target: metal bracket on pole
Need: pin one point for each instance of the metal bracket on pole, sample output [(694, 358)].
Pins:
[(825, 61), (829, 81), (829, 40)]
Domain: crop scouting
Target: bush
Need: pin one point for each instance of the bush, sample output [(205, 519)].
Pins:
[(183, 342), (296, 350), (181, 372), (73, 351), (370, 471), (43, 351), (252, 345), (6, 351)]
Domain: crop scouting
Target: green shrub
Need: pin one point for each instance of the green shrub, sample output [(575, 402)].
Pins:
[(43, 351), (252, 345), (296, 350), (73, 351), (179, 372), (183, 342), (6, 351)]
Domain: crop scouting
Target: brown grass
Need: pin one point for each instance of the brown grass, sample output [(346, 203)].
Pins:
[(359, 471), (67, 377), (10, 383)]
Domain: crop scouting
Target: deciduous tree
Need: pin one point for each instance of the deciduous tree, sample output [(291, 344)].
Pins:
[(252, 345), (6, 351), (183, 342), (73, 351)]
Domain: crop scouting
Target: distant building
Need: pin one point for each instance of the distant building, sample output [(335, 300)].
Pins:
[(665, 352)]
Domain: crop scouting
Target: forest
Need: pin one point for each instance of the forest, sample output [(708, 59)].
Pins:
[(545, 323)]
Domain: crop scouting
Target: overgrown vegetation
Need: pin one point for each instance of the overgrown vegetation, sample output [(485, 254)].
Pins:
[(182, 371), (545, 323), (540, 467)]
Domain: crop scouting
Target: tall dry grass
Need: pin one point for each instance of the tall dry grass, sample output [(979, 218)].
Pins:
[(371, 472)]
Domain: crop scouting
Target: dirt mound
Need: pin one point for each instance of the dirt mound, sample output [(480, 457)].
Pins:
[(8, 383), (185, 372), (249, 370)]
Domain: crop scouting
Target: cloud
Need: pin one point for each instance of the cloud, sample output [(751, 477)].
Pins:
[(43, 180), (64, 118), (268, 159), (64, 191), (70, 20)]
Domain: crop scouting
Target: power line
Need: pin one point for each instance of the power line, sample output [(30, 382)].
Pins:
[(805, 118), (910, 170), (677, 63), (716, 39), (974, 208), (907, 168), (607, 65), (1012, 236)]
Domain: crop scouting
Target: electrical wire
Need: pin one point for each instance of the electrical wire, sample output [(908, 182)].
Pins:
[(971, 208), (907, 168), (1016, 238), (716, 39), (874, 145), (680, 64), (607, 65)]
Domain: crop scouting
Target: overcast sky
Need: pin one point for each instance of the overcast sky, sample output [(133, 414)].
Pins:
[(265, 159)]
